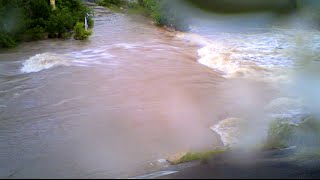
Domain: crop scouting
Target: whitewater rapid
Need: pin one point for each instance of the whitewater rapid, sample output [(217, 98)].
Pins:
[(85, 58), (269, 57)]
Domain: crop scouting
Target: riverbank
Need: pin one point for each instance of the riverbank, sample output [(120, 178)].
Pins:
[(163, 13), (269, 164)]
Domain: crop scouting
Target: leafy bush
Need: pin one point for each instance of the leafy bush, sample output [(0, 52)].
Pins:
[(6, 41), (112, 2), (80, 32), (22, 20), (90, 22), (11, 22), (36, 33), (60, 22)]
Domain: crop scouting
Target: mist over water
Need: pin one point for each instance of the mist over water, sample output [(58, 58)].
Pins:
[(278, 51)]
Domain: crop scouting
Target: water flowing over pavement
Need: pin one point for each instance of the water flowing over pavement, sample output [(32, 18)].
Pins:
[(109, 106)]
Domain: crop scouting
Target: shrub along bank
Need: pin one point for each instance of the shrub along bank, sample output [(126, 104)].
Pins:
[(26, 20)]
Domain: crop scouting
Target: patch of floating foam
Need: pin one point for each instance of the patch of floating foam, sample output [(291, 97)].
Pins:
[(261, 56), (43, 61), (98, 51), (194, 39), (126, 45), (228, 61), (215, 57)]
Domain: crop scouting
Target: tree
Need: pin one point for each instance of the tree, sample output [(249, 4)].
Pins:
[(53, 4)]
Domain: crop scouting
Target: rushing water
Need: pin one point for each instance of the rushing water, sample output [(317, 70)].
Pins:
[(103, 108), (271, 54), (132, 94)]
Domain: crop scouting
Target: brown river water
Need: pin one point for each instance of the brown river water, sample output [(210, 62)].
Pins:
[(108, 107)]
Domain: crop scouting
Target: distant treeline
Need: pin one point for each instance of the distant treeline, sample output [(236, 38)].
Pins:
[(26, 20)]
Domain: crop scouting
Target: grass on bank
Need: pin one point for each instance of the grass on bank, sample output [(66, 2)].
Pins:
[(281, 134), (198, 156)]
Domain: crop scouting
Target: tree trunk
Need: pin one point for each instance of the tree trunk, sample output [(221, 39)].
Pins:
[(53, 4)]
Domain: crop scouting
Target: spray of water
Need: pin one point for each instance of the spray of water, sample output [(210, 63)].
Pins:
[(288, 62)]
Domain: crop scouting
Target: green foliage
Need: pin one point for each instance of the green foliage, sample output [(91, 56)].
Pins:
[(90, 22), (36, 33), (6, 41), (11, 22), (199, 156), (164, 14), (279, 135), (35, 9), (109, 3), (22, 20), (80, 32), (60, 22), (307, 134)]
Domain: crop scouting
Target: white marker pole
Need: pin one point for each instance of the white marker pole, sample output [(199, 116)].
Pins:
[(85, 23)]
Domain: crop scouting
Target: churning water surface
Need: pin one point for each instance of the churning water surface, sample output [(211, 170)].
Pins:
[(130, 95)]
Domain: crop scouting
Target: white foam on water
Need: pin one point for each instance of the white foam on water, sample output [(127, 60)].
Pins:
[(238, 132), (263, 56), (194, 39), (2, 106), (126, 45), (83, 58), (229, 131), (44, 61), (270, 57)]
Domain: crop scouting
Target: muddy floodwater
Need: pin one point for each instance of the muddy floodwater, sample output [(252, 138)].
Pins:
[(132, 94)]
